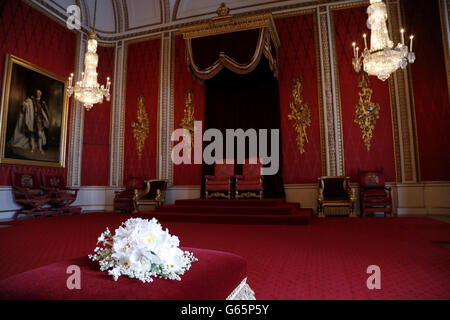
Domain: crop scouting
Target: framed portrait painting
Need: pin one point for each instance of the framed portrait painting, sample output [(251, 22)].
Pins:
[(34, 115)]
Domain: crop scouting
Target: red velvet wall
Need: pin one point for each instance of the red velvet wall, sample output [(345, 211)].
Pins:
[(186, 174), (429, 80), (142, 78), (30, 35), (297, 57), (95, 162), (349, 25)]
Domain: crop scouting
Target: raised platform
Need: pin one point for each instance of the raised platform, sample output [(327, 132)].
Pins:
[(265, 211)]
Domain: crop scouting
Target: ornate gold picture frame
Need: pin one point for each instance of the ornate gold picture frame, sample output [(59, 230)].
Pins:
[(33, 126)]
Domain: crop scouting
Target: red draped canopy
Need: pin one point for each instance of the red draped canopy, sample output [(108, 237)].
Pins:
[(237, 44)]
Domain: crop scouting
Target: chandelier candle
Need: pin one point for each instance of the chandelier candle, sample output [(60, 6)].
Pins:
[(382, 59)]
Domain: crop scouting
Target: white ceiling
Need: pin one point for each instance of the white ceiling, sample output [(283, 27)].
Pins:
[(124, 18)]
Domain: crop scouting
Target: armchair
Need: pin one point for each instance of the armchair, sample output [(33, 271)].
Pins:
[(374, 195), (219, 185), (61, 196), (152, 196), (29, 196), (124, 200), (335, 197), (250, 183)]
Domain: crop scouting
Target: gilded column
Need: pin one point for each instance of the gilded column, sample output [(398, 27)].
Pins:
[(403, 118), (165, 107), (330, 95), (76, 123), (117, 118)]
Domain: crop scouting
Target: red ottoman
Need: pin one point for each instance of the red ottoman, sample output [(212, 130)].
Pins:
[(213, 277)]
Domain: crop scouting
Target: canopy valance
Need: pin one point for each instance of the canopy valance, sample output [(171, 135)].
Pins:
[(237, 43)]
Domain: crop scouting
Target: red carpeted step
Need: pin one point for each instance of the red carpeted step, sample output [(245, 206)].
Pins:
[(278, 219), (285, 209), (231, 202)]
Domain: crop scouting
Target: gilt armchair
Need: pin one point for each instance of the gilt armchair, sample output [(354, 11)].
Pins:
[(153, 195), (219, 185), (124, 200), (336, 197), (374, 195), (27, 193), (61, 196), (250, 183)]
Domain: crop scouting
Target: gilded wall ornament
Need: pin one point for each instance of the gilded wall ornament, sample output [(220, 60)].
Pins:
[(188, 120), (141, 126), (366, 111), (300, 113)]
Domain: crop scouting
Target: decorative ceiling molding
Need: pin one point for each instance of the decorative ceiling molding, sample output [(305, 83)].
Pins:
[(215, 4), (168, 17)]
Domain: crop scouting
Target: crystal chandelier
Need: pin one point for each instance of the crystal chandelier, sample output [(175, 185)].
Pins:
[(382, 59), (88, 91)]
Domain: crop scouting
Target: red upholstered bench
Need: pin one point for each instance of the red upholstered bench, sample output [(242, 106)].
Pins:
[(215, 276)]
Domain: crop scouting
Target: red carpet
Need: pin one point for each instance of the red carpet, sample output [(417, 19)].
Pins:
[(265, 211), (326, 259)]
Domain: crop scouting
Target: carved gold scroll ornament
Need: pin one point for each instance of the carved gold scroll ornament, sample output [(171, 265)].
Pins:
[(366, 112), (141, 126), (188, 120), (300, 113)]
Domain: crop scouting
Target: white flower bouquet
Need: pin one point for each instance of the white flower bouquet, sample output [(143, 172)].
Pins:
[(141, 249)]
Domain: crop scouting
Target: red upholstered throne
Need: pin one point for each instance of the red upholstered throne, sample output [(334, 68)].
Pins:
[(124, 200), (61, 196), (374, 195), (29, 196), (219, 185), (250, 183)]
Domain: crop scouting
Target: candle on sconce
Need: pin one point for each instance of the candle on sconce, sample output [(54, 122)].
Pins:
[(402, 31), (70, 80), (411, 45), (357, 52), (365, 40), (108, 83), (354, 49)]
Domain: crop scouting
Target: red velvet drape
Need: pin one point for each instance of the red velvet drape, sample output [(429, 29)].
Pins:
[(429, 80), (239, 51), (297, 57), (207, 49), (185, 174), (349, 25), (30, 35), (142, 78), (97, 124)]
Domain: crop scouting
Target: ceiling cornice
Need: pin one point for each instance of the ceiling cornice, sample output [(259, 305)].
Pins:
[(169, 22)]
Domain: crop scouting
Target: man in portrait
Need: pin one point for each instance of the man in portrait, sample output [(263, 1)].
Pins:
[(33, 119)]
